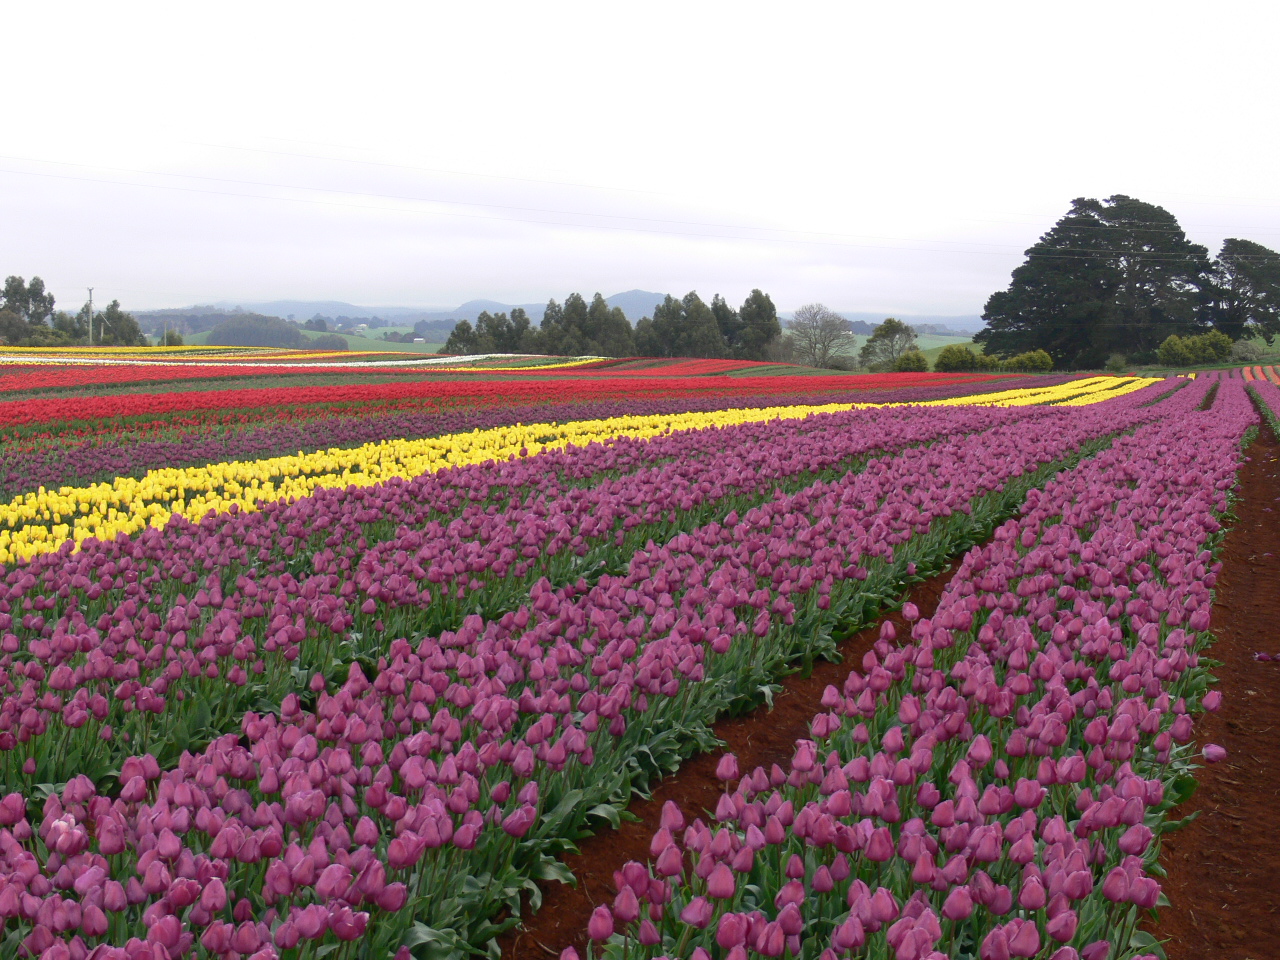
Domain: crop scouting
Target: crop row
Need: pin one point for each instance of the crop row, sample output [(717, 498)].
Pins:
[(41, 521), (440, 788), (996, 786), (126, 591), (499, 389), (69, 459)]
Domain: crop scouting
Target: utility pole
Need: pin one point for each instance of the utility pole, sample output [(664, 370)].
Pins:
[(91, 316)]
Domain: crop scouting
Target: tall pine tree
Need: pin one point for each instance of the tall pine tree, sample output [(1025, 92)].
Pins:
[(1112, 276)]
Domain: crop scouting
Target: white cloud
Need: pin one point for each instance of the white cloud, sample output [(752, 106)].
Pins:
[(872, 157)]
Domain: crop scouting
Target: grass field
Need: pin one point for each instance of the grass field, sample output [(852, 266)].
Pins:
[(355, 343)]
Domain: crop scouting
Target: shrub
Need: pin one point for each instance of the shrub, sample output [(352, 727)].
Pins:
[(1117, 362), (330, 341), (1211, 347), (1174, 352), (911, 361), (956, 358), (256, 332), (1033, 361), (1246, 351)]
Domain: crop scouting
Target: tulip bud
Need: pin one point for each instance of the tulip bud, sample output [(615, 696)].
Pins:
[(958, 905), (727, 768), (720, 884), (600, 926)]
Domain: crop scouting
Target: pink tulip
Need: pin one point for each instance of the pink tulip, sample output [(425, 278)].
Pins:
[(600, 926), (720, 884)]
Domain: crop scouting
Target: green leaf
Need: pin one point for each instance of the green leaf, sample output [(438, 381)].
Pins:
[(605, 812), (548, 869), (1171, 825), (1181, 789), (1143, 942)]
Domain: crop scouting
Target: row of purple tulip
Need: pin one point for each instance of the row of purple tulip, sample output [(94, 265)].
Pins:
[(405, 808), (75, 462), (110, 648), (1268, 395), (996, 785)]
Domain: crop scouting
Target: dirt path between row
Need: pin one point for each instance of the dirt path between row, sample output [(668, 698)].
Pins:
[(762, 737), (1224, 867)]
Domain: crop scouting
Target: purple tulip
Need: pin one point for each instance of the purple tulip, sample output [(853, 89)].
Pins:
[(600, 927)]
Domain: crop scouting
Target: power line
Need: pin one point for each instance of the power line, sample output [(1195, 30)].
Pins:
[(416, 169), (1085, 254), (463, 203)]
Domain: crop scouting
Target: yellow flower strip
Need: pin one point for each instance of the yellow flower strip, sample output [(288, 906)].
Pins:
[(41, 522), (1073, 393)]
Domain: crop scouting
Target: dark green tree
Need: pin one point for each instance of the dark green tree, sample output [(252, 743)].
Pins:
[(31, 302), (576, 320), (13, 328), (493, 333), (887, 343), (316, 323), (114, 327), (75, 328), (329, 341), (758, 327), (681, 328), (1246, 292), (1114, 275), (611, 333), (462, 339), (648, 342), (520, 330), (247, 331), (728, 320), (701, 333)]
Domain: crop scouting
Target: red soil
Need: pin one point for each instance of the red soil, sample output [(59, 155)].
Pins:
[(763, 737), (1224, 866)]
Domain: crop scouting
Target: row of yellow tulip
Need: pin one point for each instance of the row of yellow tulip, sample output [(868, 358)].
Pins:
[(42, 521), (1073, 393)]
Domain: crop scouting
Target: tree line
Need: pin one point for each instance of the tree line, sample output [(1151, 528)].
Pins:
[(1114, 280), (684, 327), (28, 319)]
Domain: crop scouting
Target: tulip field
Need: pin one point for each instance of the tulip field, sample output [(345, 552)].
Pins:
[(344, 670)]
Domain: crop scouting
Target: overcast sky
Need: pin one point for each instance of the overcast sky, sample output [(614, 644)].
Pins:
[(877, 157)]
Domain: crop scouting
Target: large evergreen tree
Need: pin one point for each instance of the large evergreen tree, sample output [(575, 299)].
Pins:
[(758, 327), (681, 328), (1114, 275), (1247, 290), (611, 334), (728, 320)]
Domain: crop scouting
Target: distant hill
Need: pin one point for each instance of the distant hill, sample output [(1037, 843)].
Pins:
[(306, 309), (634, 303), (940, 326)]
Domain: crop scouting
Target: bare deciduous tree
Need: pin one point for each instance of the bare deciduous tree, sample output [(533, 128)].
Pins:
[(820, 335)]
